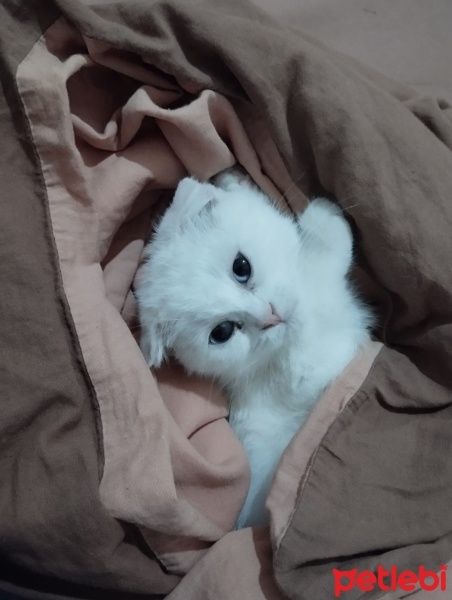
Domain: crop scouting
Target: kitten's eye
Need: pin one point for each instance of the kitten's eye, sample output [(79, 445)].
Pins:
[(222, 332), (241, 268)]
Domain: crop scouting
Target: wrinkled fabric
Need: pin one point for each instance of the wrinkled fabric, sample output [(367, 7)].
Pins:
[(116, 478)]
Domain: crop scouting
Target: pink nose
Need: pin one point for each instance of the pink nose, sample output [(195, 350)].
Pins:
[(271, 320)]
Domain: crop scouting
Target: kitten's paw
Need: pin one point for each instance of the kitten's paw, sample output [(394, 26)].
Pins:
[(319, 212), (325, 221), (325, 229), (231, 178)]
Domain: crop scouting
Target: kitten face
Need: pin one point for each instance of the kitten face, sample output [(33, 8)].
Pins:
[(220, 288)]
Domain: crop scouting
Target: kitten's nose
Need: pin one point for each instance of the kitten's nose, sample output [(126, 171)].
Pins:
[(271, 320)]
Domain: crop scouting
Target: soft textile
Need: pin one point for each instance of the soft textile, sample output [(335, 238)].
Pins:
[(118, 480)]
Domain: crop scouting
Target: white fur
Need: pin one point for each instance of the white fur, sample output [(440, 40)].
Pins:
[(273, 376)]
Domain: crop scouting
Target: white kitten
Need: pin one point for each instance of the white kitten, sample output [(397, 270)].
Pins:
[(237, 290)]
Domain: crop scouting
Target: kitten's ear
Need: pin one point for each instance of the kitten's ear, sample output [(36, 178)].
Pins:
[(152, 344), (190, 198)]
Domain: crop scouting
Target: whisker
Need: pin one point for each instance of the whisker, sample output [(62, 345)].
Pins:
[(351, 206), (283, 197)]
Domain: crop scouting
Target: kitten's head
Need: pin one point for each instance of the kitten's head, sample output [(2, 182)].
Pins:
[(218, 289)]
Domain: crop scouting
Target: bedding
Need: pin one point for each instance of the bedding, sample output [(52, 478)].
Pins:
[(119, 481)]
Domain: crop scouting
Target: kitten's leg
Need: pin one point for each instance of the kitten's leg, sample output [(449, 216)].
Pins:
[(326, 232), (264, 435), (253, 512)]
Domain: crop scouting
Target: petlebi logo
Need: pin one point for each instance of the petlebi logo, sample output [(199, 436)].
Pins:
[(389, 580)]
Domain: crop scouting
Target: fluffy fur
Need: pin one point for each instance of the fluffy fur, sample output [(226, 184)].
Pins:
[(298, 322)]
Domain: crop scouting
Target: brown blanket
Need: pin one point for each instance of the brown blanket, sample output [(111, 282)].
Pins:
[(118, 481)]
